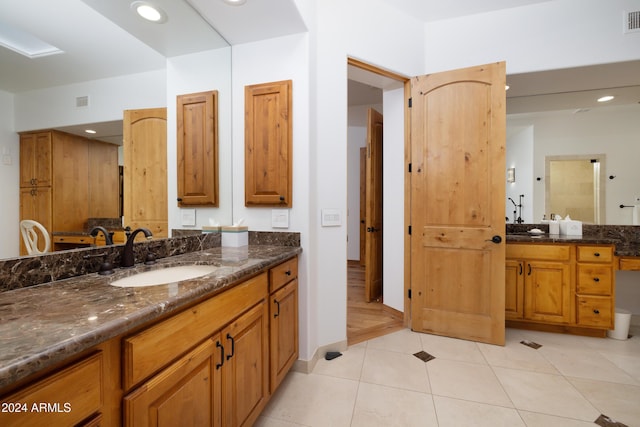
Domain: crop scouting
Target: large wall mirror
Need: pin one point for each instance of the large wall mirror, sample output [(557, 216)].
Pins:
[(110, 61), (554, 117)]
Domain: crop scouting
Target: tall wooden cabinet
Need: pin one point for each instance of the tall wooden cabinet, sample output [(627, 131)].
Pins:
[(268, 144), (197, 149), (65, 179)]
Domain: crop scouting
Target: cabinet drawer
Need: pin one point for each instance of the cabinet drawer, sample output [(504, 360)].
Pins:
[(62, 399), (283, 274), (595, 253), (630, 263), (595, 311), (594, 279), (538, 251), (155, 347), (87, 240)]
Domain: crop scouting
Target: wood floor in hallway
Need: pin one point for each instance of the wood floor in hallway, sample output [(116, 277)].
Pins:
[(366, 320)]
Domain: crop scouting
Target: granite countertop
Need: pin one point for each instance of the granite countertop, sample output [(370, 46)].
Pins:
[(45, 324), (557, 238)]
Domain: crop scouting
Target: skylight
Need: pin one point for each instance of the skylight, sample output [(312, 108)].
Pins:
[(24, 43)]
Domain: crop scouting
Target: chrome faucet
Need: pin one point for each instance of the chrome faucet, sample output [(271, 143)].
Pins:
[(107, 236), (127, 253)]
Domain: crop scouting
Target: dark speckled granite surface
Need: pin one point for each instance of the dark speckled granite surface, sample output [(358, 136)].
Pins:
[(44, 324), (626, 238)]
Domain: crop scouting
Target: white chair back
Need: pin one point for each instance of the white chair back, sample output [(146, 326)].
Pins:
[(29, 230)]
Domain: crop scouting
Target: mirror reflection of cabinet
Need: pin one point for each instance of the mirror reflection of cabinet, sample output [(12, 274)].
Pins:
[(197, 149), (268, 144), (65, 179)]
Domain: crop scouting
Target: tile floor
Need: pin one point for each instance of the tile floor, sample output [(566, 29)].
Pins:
[(568, 382)]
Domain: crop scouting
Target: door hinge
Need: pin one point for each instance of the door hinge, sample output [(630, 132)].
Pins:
[(410, 102), (409, 167), (409, 230), (409, 293)]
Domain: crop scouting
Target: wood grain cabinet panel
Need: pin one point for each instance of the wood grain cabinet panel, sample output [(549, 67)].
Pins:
[(514, 289), (547, 291), (62, 399), (268, 144), (197, 149)]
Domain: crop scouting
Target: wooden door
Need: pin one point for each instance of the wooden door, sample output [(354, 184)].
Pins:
[(145, 170), (547, 291), (284, 332), (457, 203), (198, 149), (363, 204), (373, 207), (245, 374), (104, 180)]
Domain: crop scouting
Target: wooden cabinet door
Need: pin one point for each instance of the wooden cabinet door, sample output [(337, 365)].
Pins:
[(35, 204), (197, 149), (70, 183), (547, 291), (268, 144), (514, 289), (187, 393), (283, 331), (35, 159), (245, 374), (104, 180)]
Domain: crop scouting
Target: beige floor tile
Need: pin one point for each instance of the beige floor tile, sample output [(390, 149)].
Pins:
[(620, 402), (456, 413), (271, 422), (452, 349), (348, 366), (399, 370), (466, 381), (404, 341), (380, 406), (545, 393), (517, 356), (313, 400), (585, 363), (628, 363), (534, 419)]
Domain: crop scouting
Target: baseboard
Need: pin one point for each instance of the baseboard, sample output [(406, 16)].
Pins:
[(635, 319), (306, 366)]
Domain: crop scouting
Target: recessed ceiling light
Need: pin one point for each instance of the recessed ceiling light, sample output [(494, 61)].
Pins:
[(235, 2), (91, 131), (506, 87), (605, 98), (149, 12)]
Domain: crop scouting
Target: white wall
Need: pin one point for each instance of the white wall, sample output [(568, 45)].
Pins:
[(356, 139), (372, 32), (519, 155), (9, 179), (56, 106), (193, 73), (611, 130), (543, 36), (283, 58)]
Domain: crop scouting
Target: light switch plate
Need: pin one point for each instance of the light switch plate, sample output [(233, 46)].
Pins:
[(280, 218), (331, 218), (188, 217)]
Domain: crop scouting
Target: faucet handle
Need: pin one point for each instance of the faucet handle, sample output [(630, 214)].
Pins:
[(150, 259)]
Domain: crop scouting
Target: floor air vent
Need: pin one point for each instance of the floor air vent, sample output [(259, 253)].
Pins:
[(632, 22)]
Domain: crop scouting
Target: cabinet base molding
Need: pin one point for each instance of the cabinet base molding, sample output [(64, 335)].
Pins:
[(561, 329)]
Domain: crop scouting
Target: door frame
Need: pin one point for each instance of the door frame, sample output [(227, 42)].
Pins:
[(406, 81)]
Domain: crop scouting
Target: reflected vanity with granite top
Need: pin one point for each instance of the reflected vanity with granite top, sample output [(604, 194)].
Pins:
[(566, 283), (82, 352)]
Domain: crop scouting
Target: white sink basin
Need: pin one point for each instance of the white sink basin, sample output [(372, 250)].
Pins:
[(164, 276)]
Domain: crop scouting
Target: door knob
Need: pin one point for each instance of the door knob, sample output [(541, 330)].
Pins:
[(495, 239)]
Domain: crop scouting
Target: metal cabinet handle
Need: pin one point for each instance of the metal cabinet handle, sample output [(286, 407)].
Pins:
[(233, 346), (596, 279), (520, 265), (596, 254), (596, 311), (529, 273), (221, 347), (277, 313), (288, 272)]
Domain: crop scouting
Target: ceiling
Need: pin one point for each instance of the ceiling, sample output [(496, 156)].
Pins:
[(103, 39)]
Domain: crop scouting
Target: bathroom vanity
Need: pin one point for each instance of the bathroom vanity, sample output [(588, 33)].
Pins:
[(205, 351), (566, 283)]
